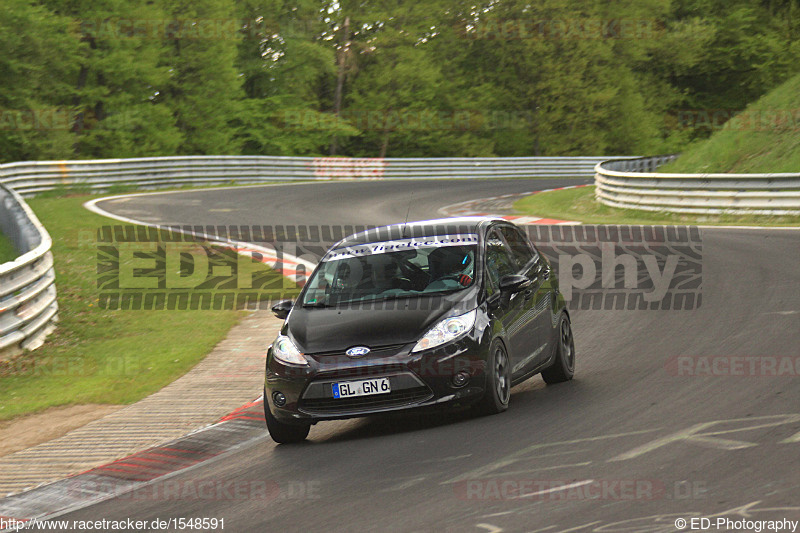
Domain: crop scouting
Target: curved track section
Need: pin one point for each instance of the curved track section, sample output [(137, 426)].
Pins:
[(633, 443)]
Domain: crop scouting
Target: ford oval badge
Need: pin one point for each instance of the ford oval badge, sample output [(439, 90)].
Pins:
[(357, 351)]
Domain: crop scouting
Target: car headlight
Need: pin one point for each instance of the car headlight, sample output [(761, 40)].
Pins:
[(285, 351), (447, 330)]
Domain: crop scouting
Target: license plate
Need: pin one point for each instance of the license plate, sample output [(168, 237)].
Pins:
[(367, 387)]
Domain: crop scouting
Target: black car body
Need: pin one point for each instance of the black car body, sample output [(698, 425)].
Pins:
[(449, 312)]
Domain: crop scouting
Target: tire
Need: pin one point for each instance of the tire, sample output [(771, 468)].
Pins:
[(563, 367), (285, 433), (498, 382)]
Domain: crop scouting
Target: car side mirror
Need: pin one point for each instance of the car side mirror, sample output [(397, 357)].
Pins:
[(514, 283), (282, 308)]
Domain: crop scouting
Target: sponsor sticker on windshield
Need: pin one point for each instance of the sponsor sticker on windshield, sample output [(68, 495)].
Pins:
[(436, 241)]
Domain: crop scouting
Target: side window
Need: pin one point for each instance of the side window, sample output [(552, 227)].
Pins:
[(499, 261), (519, 245)]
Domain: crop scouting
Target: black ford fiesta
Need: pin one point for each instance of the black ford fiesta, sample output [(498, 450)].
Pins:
[(448, 313)]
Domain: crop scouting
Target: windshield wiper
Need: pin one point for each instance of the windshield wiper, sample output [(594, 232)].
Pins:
[(404, 296)]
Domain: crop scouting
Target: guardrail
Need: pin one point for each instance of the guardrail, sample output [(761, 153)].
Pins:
[(634, 184), (28, 307), (30, 178)]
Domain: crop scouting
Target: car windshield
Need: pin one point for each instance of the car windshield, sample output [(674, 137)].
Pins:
[(395, 269)]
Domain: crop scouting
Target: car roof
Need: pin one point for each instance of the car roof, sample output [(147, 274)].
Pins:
[(421, 228)]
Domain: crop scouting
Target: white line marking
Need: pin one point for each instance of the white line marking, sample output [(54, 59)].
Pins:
[(579, 527), (523, 454), (546, 468), (791, 440), (283, 267), (699, 435), (443, 459), (504, 513), (557, 453), (542, 529), (404, 485)]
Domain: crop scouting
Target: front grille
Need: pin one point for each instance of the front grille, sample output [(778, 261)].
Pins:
[(388, 349), (365, 403)]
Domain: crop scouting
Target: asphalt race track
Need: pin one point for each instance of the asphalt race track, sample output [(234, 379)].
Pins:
[(630, 445)]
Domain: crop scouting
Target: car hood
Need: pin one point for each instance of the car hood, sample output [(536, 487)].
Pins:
[(332, 329)]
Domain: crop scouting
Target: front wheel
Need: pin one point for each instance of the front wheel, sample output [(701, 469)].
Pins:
[(284, 433), (563, 367), (498, 381)]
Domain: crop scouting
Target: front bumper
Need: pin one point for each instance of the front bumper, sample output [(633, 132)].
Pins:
[(417, 380)]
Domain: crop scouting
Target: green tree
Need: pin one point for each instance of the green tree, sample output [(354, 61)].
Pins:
[(286, 63), (380, 77), (38, 57), (204, 90), (117, 77)]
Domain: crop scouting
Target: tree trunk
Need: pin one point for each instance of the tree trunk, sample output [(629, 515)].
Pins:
[(337, 97), (384, 145), (80, 117)]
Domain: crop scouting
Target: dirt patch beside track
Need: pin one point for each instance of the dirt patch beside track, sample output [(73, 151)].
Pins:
[(26, 431)]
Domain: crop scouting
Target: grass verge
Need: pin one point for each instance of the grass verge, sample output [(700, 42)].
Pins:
[(580, 204), (764, 138), (97, 355), (62, 191), (7, 250)]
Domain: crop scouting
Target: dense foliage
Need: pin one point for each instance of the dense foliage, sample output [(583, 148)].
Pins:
[(126, 78)]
